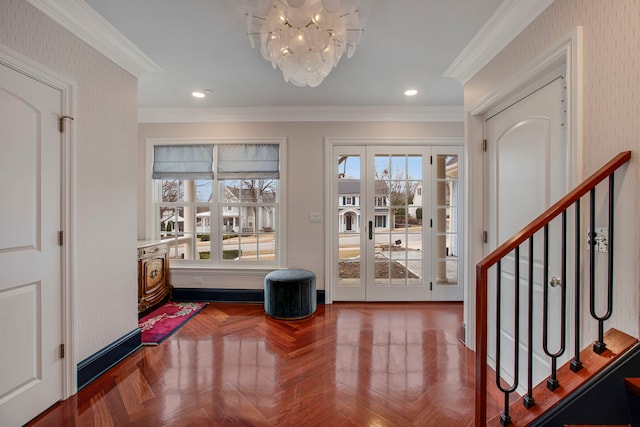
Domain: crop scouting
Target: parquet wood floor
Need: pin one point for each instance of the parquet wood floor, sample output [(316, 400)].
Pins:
[(374, 364)]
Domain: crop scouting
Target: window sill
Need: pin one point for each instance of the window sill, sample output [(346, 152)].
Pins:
[(251, 270)]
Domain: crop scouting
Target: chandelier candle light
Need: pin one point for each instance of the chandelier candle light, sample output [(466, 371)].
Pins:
[(305, 38)]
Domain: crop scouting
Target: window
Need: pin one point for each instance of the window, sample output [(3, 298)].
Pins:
[(218, 204)]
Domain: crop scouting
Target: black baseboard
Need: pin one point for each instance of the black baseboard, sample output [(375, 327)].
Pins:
[(226, 295), (97, 364)]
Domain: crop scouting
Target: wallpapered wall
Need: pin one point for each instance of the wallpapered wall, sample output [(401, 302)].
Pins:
[(611, 54), (305, 180), (104, 198)]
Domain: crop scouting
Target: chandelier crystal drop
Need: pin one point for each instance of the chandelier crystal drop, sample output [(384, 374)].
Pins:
[(305, 38)]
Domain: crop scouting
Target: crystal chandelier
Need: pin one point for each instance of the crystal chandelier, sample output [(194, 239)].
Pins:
[(305, 38)]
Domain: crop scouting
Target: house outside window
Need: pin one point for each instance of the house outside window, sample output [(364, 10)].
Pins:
[(227, 214), (381, 201), (381, 221), (349, 205)]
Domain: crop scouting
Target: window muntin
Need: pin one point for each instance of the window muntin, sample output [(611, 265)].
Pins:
[(223, 221)]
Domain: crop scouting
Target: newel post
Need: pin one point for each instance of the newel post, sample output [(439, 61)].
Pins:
[(481, 347)]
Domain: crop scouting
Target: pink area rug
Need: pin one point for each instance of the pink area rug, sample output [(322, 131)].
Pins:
[(166, 319)]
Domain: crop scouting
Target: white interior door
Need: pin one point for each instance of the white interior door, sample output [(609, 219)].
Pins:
[(527, 164), (396, 223), (30, 257)]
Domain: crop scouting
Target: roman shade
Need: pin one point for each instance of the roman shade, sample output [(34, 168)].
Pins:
[(248, 161), (183, 161)]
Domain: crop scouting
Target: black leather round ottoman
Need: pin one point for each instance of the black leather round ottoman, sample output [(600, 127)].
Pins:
[(290, 294)]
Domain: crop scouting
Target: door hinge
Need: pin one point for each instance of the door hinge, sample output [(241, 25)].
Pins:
[(485, 236), (484, 145), (60, 238), (61, 351), (61, 125)]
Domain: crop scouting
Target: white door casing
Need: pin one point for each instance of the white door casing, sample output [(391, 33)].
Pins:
[(527, 172), (565, 54), (31, 259), (423, 235)]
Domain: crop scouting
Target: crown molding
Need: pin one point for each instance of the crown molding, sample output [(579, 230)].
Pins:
[(511, 17), (84, 22), (301, 114)]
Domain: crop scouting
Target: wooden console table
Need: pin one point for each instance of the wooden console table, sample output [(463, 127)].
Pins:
[(153, 273)]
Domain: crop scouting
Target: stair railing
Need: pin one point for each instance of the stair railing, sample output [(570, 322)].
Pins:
[(512, 245)]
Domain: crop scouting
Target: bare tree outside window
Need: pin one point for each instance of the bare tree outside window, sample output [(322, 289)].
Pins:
[(401, 191)]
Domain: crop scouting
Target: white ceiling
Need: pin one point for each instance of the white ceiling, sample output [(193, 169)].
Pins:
[(175, 47), (202, 44)]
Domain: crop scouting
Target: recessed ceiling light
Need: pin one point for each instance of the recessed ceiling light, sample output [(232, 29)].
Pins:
[(410, 92), (200, 94)]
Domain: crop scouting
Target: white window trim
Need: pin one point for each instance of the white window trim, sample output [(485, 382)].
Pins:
[(151, 220)]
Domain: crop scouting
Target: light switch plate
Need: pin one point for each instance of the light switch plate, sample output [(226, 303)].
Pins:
[(315, 217)]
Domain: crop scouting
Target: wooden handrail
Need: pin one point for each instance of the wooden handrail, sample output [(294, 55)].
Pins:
[(503, 250), (555, 210)]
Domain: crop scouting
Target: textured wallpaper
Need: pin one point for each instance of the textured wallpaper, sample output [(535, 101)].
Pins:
[(104, 169), (611, 54)]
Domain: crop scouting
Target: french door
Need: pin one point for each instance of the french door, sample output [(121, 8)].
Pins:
[(396, 233)]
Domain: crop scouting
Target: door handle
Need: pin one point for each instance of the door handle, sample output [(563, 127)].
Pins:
[(370, 230), (555, 282)]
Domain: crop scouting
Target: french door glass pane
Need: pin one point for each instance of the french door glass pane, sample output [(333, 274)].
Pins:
[(349, 220), (398, 245), (447, 219)]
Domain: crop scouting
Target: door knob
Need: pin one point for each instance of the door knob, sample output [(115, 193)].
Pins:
[(554, 282)]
